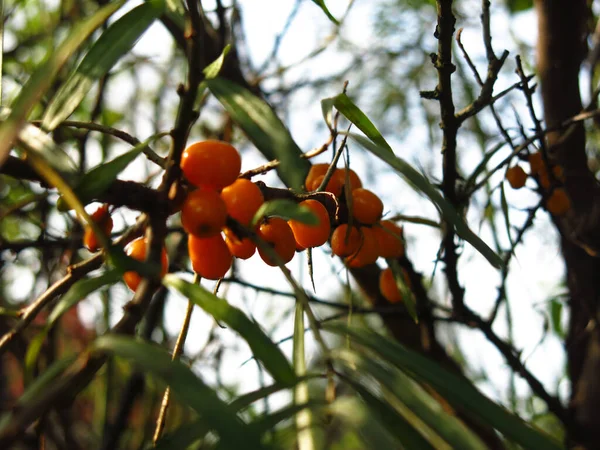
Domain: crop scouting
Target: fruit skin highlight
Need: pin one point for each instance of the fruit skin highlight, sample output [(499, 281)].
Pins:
[(277, 232), (242, 199), (309, 236), (211, 164), (516, 177), (104, 221), (137, 250), (210, 257), (203, 213)]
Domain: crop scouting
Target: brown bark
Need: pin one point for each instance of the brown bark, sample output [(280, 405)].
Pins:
[(561, 49)]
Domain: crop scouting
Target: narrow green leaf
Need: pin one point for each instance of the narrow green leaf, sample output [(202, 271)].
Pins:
[(212, 70), (41, 80), (412, 402), (355, 414), (117, 40), (408, 299), (472, 180), (267, 422), (323, 6), (459, 392), (419, 182), (304, 418), (262, 126), (262, 347), (353, 113), (182, 437), (176, 12), (286, 209), (186, 386), (556, 308), (80, 290)]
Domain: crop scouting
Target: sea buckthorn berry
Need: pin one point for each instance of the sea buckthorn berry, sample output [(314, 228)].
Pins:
[(536, 162), (210, 257), (544, 178), (104, 221), (388, 287), (309, 236), (367, 207), (344, 243), (316, 171), (368, 251), (340, 176), (240, 248), (559, 173), (242, 199), (558, 203), (212, 164), (277, 232), (203, 213), (137, 250), (389, 239), (516, 177), (334, 185)]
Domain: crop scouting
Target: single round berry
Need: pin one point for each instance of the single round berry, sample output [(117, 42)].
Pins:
[(211, 164), (277, 232), (536, 162), (558, 204), (316, 171), (516, 177), (102, 217), (240, 248), (334, 185), (210, 257), (389, 239), (367, 207), (344, 242), (203, 213), (242, 199), (136, 249), (368, 251), (309, 236), (353, 180), (388, 287)]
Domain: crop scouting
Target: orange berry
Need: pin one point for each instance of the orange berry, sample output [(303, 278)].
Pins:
[(367, 207), (536, 162), (544, 178), (137, 250), (558, 203), (559, 173), (344, 244), (212, 164), (516, 177), (277, 232), (334, 185), (240, 248), (340, 177), (388, 287), (104, 221), (242, 199), (389, 239), (368, 251), (317, 170), (210, 257), (203, 213), (309, 236)]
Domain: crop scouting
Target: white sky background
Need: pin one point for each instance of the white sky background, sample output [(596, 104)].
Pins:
[(536, 271)]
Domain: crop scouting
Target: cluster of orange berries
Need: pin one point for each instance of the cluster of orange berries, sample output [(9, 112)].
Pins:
[(557, 202), (213, 169)]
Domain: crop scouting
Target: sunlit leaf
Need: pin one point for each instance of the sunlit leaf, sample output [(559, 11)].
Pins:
[(286, 209), (116, 41), (262, 126), (262, 347), (212, 70)]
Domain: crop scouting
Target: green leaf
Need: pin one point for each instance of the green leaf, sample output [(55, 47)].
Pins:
[(262, 347), (459, 392), (304, 418), (116, 41), (556, 308), (286, 209), (353, 113), (262, 126), (420, 183), (408, 299), (186, 386), (322, 5), (101, 177), (80, 290), (472, 180), (417, 407), (212, 70), (515, 6), (41, 80), (267, 422)]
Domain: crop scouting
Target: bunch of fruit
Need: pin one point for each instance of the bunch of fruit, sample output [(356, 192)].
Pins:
[(557, 202), (219, 195)]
